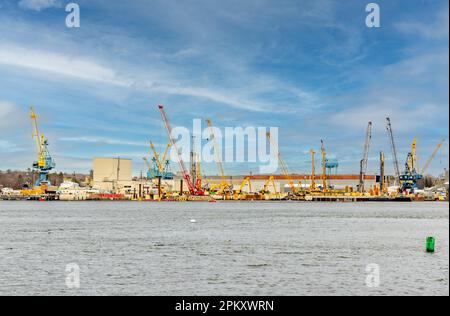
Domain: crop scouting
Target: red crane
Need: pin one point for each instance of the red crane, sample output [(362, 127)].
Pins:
[(193, 189)]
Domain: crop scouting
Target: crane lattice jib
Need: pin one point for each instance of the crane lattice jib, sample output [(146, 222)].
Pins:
[(224, 183), (430, 160), (149, 167), (393, 147), (284, 168), (166, 153), (218, 156), (36, 135), (367, 147), (192, 189), (157, 159), (365, 160)]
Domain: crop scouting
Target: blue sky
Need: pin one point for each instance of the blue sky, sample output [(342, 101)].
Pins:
[(312, 68)]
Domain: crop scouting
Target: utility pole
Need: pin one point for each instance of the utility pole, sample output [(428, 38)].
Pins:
[(313, 170), (382, 173)]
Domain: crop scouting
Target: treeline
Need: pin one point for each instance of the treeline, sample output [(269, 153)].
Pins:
[(25, 179)]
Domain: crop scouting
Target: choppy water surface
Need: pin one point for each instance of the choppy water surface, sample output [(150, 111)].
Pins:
[(232, 249)]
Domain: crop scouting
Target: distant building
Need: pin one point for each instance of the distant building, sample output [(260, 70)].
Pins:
[(112, 174), (115, 175)]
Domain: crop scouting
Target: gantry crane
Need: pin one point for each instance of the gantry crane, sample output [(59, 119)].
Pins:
[(284, 168), (393, 149), (430, 160), (365, 159), (193, 189), (224, 185), (411, 175), (45, 162)]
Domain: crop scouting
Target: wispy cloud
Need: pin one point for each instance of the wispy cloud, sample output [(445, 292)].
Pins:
[(39, 5), (103, 140), (56, 63), (436, 29)]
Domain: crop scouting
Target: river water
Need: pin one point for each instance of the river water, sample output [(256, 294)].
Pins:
[(229, 248)]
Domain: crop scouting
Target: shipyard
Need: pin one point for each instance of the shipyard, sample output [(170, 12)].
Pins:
[(112, 178)]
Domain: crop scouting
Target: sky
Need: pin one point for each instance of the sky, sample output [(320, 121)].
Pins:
[(310, 67)]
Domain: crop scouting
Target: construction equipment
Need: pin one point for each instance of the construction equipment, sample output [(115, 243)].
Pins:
[(283, 166), (150, 174), (313, 186), (224, 185), (265, 189), (365, 159), (430, 160), (45, 162), (238, 192), (393, 149), (161, 167), (196, 170), (156, 158), (193, 189)]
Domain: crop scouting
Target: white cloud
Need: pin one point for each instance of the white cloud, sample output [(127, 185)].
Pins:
[(5, 109), (39, 5), (11, 117), (57, 63), (434, 30), (8, 147), (87, 69), (103, 140)]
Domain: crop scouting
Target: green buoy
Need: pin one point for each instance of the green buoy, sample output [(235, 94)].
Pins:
[(431, 243)]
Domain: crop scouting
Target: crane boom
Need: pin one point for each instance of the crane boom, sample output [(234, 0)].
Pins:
[(430, 160), (216, 149), (166, 153), (393, 148), (192, 189), (45, 162), (36, 135), (365, 160), (149, 167), (284, 168), (157, 158)]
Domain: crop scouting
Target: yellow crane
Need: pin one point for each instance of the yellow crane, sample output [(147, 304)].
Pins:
[(283, 166), (411, 163), (237, 194), (45, 162), (270, 181), (157, 158), (149, 168), (224, 185)]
